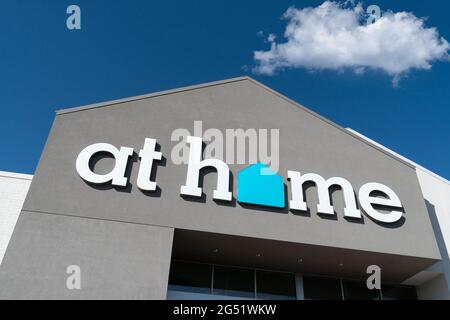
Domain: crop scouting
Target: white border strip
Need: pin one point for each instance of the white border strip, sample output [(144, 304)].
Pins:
[(16, 175), (395, 154)]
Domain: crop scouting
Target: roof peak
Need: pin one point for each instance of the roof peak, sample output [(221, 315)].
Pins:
[(227, 81)]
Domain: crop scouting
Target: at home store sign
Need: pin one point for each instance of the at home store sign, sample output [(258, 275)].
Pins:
[(255, 185)]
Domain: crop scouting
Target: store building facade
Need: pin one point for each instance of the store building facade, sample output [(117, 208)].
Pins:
[(108, 198)]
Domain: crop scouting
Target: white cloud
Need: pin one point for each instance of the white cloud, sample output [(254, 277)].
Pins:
[(333, 36)]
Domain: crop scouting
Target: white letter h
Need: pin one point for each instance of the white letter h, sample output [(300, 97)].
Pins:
[(191, 188)]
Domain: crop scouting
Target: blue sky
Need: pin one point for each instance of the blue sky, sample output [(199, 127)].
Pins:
[(128, 48)]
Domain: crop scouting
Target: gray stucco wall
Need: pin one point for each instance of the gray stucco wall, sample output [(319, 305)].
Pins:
[(117, 260), (307, 144)]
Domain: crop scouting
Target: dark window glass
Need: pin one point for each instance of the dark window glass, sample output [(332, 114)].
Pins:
[(275, 286), (316, 288), (355, 290), (398, 293), (190, 277), (234, 282)]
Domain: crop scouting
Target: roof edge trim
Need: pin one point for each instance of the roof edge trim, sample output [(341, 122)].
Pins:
[(150, 95), (400, 157), (15, 175)]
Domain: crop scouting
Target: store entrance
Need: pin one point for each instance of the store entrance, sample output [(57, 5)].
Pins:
[(208, 266)]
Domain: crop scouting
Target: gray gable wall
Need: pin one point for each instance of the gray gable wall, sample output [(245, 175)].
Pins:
[(308, 143)]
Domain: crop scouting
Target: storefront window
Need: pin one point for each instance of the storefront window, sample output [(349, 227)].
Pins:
[(189, 280), (234, 282), (399, 293), (275, 286), (190, 277), (316, 288), (356, 290)]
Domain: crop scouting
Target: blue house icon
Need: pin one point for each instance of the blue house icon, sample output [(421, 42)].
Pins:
[(260, 185)]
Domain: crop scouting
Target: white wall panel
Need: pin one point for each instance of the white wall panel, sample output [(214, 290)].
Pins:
[(13, 190)]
